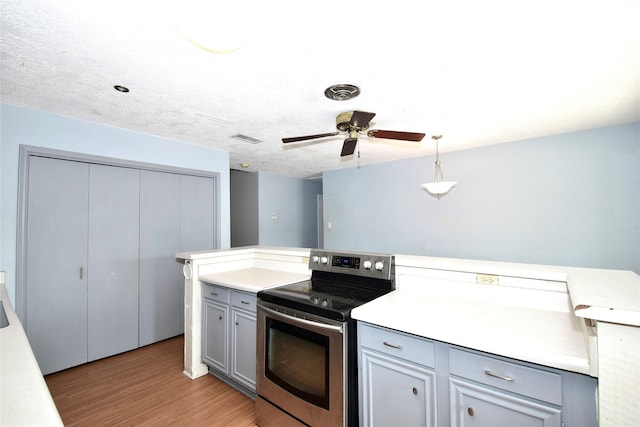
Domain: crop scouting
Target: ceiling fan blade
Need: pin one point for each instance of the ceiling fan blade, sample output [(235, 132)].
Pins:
[(348, 147), (307, 137), (391, 134), (361, 119)]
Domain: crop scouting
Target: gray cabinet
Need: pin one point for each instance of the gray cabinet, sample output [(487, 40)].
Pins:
[(397, 381), (488, 392), (243, 338), (404, 378), (215, 327), (229, 335)]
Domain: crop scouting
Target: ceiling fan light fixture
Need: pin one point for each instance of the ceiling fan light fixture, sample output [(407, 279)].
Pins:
[(438, 188)]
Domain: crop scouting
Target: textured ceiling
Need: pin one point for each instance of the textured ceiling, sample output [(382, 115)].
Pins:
[(476, 72)]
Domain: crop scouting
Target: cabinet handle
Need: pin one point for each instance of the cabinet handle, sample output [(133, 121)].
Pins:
[(220, 317), (415, 391), (237, 322), (470, 412), (500, 377), (397, 347), (215, 294), (245, 302), (81, 273)]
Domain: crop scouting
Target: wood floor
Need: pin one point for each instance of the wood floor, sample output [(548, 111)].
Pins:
[(146, 387)]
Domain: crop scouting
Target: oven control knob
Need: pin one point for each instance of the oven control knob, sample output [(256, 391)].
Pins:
[(315, 259), (367, 264), (379, 265), (325, 302), (324, 260)]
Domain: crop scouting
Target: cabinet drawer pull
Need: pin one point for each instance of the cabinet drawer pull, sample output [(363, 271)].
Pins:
[(500, 377), (397, 347), (215, 294), (245, 302)]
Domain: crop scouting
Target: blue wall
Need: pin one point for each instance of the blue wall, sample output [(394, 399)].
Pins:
[(293, 201), (570, 200), (36, 128)]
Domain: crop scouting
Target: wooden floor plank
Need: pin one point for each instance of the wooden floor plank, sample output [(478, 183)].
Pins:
[(146, 387)]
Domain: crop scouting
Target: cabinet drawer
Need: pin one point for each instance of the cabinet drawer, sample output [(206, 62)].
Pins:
[(244, 300), (397, 344), (534, 383), (216, 293)]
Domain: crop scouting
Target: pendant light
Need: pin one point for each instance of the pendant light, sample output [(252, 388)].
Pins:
[(438, 188)]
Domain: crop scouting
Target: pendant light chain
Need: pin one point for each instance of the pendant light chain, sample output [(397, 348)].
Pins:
[(438, 174)]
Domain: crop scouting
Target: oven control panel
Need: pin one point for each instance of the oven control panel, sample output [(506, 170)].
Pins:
[(379, 266)]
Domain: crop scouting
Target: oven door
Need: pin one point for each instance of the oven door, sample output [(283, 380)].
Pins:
[(301, 365)]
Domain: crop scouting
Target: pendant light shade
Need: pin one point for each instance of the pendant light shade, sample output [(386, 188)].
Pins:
[(439, 187)]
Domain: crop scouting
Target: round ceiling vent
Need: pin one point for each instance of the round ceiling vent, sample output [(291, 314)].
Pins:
[(342, 92)]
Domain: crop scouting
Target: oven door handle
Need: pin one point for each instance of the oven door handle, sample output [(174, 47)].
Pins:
[(298, 320)]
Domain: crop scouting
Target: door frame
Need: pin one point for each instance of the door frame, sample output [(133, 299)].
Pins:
[(28, 151)]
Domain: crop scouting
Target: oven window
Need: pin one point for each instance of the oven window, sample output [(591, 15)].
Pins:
[(298, 361)]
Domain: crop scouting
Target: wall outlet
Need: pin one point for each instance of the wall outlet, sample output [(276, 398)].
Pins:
[(486, 279)]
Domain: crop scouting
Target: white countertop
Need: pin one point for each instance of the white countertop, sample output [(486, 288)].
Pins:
[(518, 323), (24, 397), (599, 294), (253, 279)]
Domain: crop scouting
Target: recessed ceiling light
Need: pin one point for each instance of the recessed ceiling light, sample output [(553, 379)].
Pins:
[(244, 165), (122, 89)]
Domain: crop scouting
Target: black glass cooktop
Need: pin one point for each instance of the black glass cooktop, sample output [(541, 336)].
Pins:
[(326, 298), (340, 281)]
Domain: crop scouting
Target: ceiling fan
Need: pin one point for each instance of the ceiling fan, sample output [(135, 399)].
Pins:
[(357, 122)]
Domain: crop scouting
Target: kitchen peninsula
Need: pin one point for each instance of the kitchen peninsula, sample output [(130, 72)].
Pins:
[(585, 321)]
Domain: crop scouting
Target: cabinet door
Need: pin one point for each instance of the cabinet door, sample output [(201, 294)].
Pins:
[(215, 331), (113, 260), (396, 393), (243, 350), (473, 405), (161, 281), (56, 262)]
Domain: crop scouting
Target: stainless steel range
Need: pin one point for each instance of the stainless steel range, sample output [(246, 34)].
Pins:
[(307, 370)]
